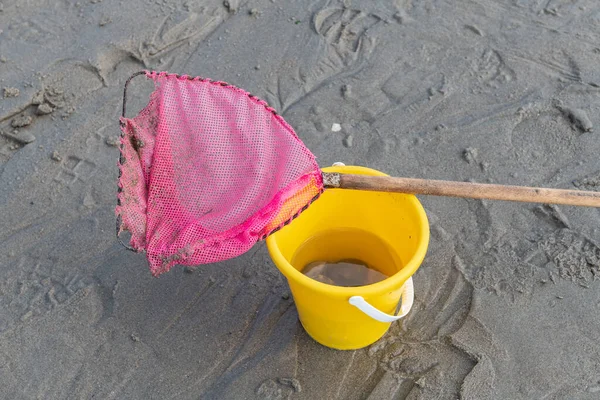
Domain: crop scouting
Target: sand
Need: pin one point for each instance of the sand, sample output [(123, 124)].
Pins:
[(507, 300)]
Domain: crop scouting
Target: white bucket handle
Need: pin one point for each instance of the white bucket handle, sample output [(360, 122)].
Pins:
[(407, 296)]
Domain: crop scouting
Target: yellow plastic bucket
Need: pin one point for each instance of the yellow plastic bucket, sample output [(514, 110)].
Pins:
[(348, 318)]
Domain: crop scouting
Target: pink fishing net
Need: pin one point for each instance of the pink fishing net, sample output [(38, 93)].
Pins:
[(207, 170)]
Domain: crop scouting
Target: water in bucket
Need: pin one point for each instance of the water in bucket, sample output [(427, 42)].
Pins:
[(348, 273), (347, 257)]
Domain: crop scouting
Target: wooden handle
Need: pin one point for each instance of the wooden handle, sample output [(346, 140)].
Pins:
[(462, 189)]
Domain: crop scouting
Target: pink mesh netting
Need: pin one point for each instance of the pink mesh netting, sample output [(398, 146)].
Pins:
[(206, 171)]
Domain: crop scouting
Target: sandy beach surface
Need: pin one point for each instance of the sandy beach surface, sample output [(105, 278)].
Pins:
[(503, 91)]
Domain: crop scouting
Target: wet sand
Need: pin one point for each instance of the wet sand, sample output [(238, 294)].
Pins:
[(503, 91)]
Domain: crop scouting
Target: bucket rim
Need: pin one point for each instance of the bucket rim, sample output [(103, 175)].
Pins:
[(393, 282)]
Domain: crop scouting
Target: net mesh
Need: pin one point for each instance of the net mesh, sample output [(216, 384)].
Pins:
[(206, 171)]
